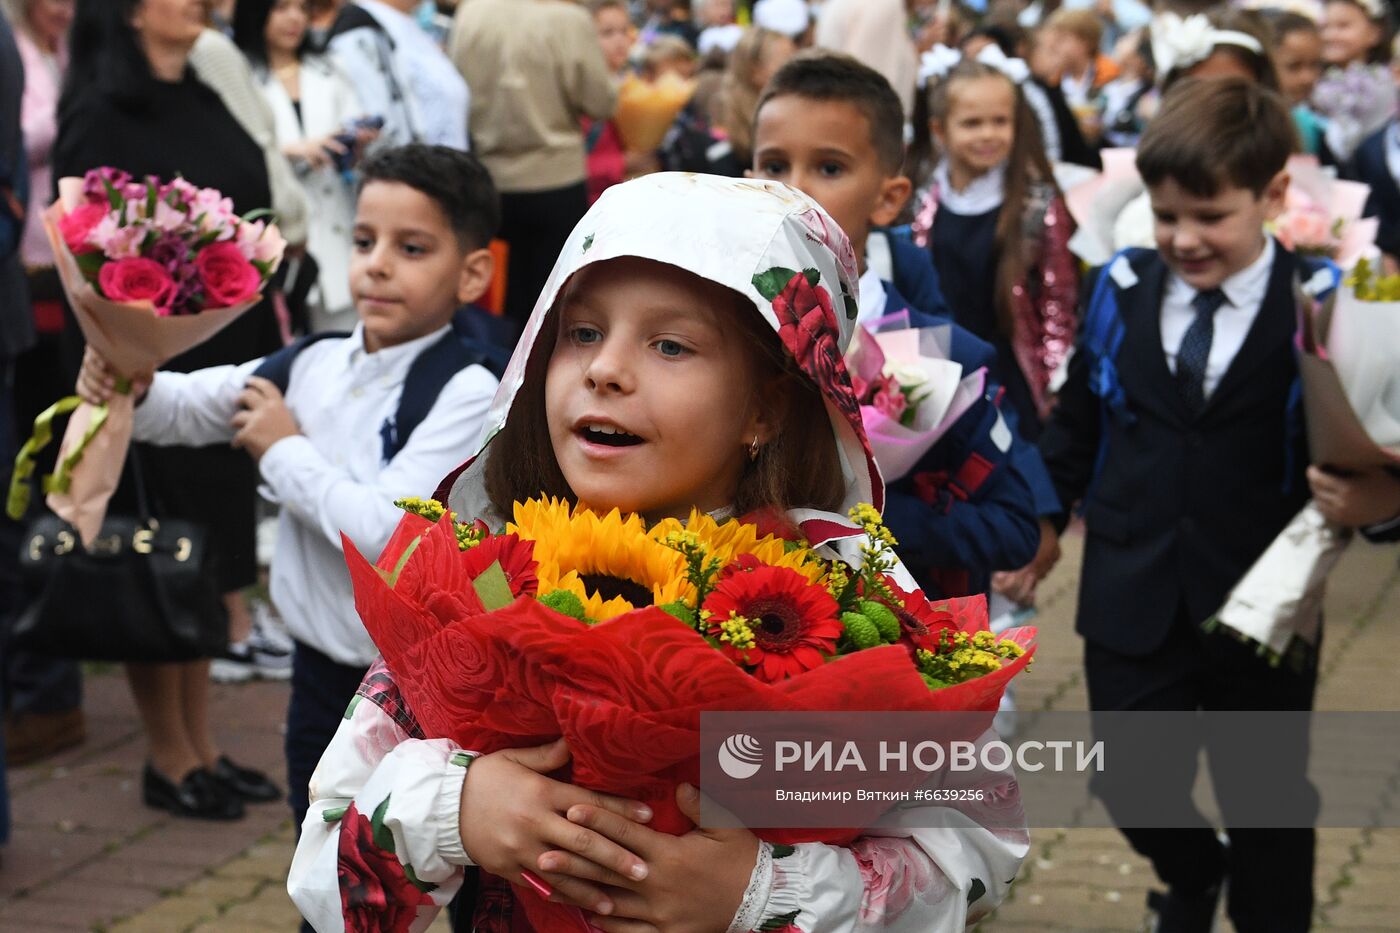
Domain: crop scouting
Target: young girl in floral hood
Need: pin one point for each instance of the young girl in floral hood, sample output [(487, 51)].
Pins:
[(649, 378)]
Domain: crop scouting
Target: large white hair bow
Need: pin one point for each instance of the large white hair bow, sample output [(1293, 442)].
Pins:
[(1181, 43), (939, 60)]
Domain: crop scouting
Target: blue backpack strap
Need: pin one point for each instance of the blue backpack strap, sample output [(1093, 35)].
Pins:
[(429, 373), (277, 367), (1102, 338)]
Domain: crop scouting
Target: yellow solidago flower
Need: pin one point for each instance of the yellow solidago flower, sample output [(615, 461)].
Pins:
[(608, 562)]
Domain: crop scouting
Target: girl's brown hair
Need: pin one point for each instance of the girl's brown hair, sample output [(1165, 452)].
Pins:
[(740, 89), (1027, 172), (799, 467)]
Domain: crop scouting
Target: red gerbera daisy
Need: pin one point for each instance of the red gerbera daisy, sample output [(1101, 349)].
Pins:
[(922, 622), (517, 558), (794, 623)]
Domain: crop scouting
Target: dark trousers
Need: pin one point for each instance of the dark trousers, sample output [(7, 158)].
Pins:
[(536, 224), (1270, 870), (321, 690)]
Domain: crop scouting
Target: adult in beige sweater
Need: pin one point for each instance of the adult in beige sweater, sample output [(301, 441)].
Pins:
[(534, 68)]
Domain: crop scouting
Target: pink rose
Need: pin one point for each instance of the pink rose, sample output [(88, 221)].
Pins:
[(229, 278), (129, 280), (890, 401), (77, 225)]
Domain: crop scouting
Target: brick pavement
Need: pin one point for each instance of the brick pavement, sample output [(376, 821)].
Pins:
[(86, 855)]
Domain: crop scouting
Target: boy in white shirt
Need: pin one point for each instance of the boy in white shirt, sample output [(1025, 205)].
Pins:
[(377, 415)]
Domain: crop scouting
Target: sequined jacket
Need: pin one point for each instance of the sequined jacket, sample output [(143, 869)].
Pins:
[(1044, 304)]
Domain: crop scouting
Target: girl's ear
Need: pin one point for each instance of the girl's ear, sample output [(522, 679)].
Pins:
[(474, 275), (770, 409)]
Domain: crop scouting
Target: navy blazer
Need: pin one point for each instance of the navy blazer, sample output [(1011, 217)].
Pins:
[(1183, 505), (983, 518), (1384, 202)]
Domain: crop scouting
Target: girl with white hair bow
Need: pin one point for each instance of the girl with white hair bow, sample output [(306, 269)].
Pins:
[(994, 220)]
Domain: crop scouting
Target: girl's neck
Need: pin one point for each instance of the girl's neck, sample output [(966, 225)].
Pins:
[(167, 61), (280, 59)]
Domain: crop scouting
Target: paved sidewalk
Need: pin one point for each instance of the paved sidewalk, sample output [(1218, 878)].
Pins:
[(86, 855)]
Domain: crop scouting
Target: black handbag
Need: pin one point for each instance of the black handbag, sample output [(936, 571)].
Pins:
[(142, 592)]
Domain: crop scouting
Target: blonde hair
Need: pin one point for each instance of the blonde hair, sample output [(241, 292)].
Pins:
[(1084, 25), (738, 92)]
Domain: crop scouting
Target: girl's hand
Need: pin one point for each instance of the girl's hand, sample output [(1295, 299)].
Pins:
[(695, 883), (97, 383), (511, 813)]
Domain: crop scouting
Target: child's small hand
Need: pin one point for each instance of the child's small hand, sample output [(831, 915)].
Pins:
[(97, 382), (263, 419), (1355, 501), (695, 883), (1019, 585), (511, 813)]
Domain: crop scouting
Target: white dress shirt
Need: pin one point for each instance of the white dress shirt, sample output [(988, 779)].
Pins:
[(331, 477), (872, 297), (1244, 293)]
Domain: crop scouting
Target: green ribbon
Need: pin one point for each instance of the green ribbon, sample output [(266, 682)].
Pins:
[(61, 479)]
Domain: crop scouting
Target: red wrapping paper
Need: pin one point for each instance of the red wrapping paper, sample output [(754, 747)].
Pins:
[(626, 694)]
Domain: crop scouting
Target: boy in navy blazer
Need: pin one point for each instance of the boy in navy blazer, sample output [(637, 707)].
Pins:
[(833, 127), (1179, 436)]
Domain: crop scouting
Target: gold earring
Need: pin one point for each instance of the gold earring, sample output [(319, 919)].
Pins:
[(753, 449)]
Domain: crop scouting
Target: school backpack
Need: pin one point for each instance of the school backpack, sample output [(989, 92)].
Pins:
[(428, 374)]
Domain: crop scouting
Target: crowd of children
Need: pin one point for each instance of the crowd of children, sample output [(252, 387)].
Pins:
[(937, 143)]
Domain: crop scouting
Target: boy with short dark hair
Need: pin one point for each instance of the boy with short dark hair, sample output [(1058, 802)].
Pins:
[(833, 127), (340, 427), (1175, 434)]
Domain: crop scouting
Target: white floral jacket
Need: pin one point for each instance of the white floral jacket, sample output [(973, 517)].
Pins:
[(381, 850)]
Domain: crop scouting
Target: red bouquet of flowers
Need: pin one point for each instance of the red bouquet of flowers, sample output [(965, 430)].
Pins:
[(617, 637)]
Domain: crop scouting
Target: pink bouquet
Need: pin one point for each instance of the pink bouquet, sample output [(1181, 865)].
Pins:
[(150, 269), (910, 392), (1322, 215)]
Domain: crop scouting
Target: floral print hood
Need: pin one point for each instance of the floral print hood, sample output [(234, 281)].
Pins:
[(764, 240)]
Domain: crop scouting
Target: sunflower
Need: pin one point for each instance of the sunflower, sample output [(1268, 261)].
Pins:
[(608, 562), (774, 621), (733, 538)]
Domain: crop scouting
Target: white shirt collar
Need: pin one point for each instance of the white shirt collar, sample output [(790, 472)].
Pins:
[(400, 355), (985, 193)]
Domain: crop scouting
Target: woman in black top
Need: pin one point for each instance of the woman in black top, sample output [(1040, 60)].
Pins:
[(131, 102)]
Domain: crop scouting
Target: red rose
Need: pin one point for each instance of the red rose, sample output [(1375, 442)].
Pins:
[(138, 280), (807, 309), (75, 226), (229, 278), (375, 893)]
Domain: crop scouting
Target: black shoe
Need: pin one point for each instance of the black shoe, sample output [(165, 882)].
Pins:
[(1184, 913), (199, 796), (247, 784)]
